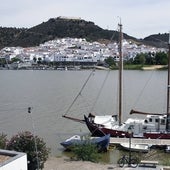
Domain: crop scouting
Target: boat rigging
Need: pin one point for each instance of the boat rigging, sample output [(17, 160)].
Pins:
[(154, 125)]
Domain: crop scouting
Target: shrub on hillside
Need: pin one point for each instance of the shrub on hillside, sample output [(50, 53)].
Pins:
[(25, 142)]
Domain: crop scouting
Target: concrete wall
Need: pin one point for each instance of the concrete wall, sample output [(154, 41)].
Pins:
[(17, 160)]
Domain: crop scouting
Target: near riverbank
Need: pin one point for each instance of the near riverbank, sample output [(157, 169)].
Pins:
[(64, 163)]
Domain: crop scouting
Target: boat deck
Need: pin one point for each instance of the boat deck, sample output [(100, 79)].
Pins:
[(140, 141)]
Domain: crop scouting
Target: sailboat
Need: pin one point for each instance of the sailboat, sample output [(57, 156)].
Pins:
[(153, 126)]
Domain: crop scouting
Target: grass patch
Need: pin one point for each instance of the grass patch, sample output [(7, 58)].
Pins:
[(133, 67)]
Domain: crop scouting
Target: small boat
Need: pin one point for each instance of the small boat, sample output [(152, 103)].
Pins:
[(135, 147), (167, 149), (102, 143)]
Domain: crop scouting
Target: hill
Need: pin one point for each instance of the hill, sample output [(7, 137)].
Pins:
[(158, 40), (63, 27)]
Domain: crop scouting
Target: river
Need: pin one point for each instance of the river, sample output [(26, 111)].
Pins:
[(50, 93)]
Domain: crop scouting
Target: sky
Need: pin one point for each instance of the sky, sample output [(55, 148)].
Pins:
[(140, 18)]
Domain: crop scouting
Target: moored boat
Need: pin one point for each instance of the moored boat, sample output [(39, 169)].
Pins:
[(135, 147), (102, 143), (154, 125), (150, 127), (167, 149)]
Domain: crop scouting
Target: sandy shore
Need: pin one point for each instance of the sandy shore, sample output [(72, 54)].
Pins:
[(154, 67), (64, 163)]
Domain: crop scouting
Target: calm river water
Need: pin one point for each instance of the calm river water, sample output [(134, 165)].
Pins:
[(50, 93)]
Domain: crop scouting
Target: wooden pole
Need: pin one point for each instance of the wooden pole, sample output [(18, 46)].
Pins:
[(168, 89)]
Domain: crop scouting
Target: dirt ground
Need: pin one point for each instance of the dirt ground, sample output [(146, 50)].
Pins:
[(64, 163)]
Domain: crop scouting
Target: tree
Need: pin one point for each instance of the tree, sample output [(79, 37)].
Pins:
[(36, 154), (15, 59), (34, 59), (110, 61), (39, 60), (140, 59), (161, 58), (2, 62), (150, 59)]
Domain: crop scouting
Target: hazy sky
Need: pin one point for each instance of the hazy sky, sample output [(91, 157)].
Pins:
[(140, 18)]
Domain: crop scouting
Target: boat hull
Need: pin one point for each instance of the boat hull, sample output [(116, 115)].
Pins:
[(98, 130), (102, 143), (157, 135), (135, 147)]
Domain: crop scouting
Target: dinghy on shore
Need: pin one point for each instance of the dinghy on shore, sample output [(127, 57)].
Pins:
[(102, 143)]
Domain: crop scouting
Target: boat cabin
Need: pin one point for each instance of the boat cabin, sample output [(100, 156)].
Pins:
[(158, 121), (152, 123)]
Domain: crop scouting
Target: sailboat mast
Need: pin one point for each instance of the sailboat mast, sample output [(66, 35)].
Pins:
[(120, 72), (168, 89)]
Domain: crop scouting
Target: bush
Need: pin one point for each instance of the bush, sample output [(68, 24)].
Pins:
[(86, 152), (3, 141), (25, 142)]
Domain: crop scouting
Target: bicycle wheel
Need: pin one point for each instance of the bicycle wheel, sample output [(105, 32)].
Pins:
[(133, 163), (121, 162)]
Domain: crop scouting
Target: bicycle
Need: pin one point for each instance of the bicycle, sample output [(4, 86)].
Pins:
[(133, 162)]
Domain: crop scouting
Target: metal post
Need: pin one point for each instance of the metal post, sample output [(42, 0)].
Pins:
[(130, 137), (130, 150), (35, 142)]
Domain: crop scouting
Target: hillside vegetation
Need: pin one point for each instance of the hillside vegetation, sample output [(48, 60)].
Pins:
[(74, 28)]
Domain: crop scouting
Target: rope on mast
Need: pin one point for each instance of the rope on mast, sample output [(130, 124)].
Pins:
[(97, 97), (79, 93)]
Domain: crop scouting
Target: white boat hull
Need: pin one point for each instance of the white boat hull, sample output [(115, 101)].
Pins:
[(135, 147)]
